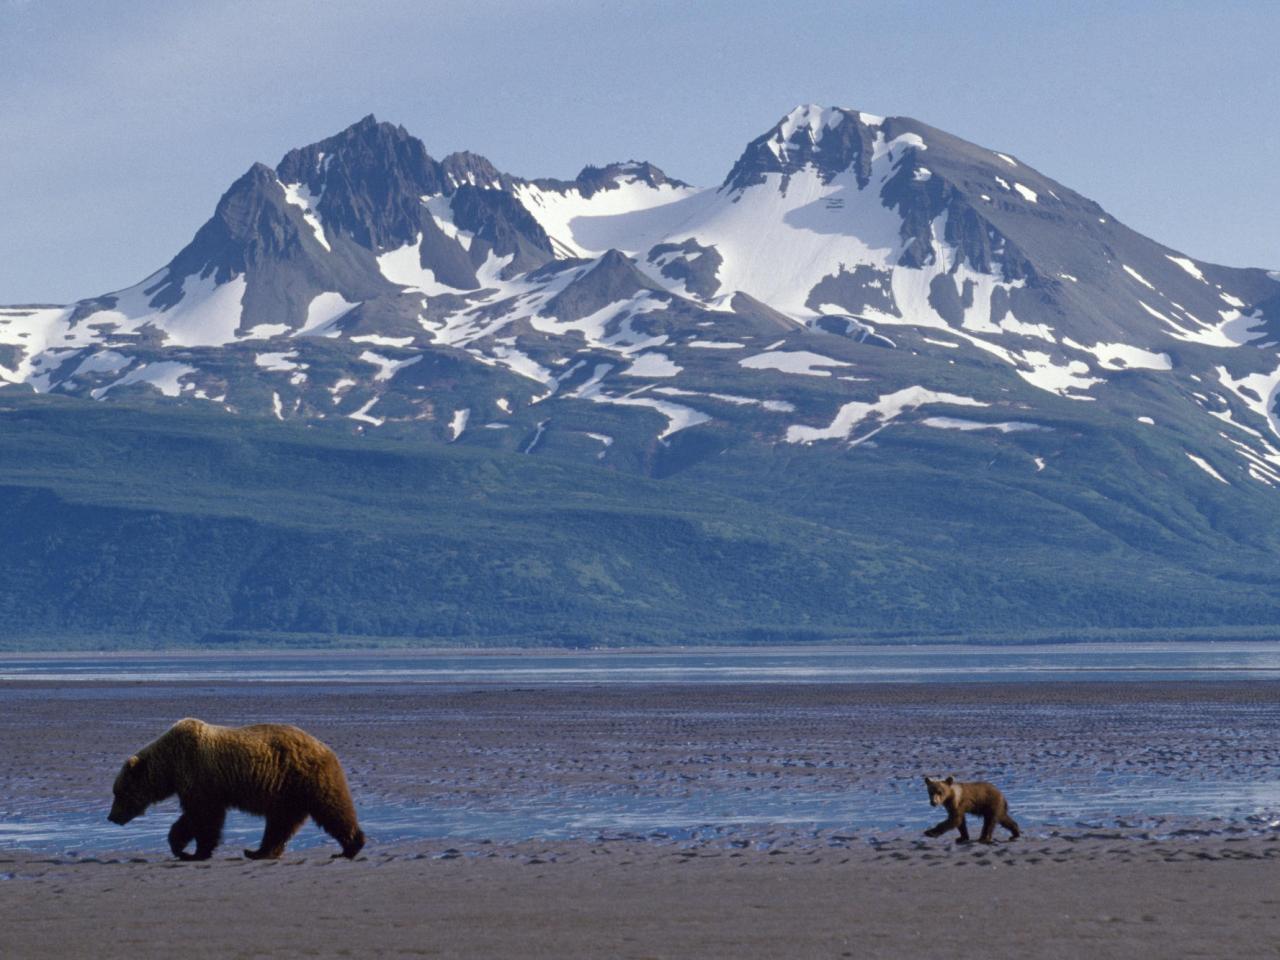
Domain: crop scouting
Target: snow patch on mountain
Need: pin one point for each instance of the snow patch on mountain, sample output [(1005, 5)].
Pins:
[(387, 366), (775, 406), (1137, 276), (441, 209), (298, 195), (207, 315), (715, 345), (278, 362), (324, 311), (32, 331), (799, 362), (678, 417), (1123, 356), (611, 326), (1026, 193), (458, 423), (378, 340), (621, 218), (1257, 391), (164, 375), (364, 416), (104, 361), (1188, 266), (882, 410), (403, 266), (652, 365), (958, 423), (1204, 465), (809, 120)]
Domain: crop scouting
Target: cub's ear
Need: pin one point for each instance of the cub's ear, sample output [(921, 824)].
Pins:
[(950, 780)]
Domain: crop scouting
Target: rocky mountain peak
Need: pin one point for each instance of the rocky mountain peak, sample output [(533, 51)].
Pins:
[(367, 181), (592, 179), (830, 139)]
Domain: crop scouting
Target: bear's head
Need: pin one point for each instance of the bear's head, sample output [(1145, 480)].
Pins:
[(134, 790), (939, 790)]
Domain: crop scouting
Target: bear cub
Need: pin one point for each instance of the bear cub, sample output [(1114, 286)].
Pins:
[(978, 798), (270, 769)]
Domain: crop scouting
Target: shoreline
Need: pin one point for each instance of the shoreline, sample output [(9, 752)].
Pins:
[(1017, 643)]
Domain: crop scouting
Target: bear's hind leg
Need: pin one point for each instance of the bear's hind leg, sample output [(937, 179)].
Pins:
[(988, 828), (279, 830), (335, 814), (1009, 824)]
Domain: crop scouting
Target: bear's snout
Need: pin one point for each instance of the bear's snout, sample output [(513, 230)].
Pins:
[(119, 815)]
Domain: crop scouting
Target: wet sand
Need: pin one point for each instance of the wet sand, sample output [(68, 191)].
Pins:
[(1084, 880)]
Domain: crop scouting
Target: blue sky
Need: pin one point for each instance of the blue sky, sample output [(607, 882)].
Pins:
[(123, 122)]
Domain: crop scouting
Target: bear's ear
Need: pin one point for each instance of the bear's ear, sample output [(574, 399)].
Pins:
[(950, 780)]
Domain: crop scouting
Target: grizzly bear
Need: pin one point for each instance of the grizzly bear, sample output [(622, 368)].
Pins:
[(979, 798), (270, 769)]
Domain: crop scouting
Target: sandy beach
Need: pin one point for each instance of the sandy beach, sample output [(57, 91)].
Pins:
[(1066, 899), (1091, 875)]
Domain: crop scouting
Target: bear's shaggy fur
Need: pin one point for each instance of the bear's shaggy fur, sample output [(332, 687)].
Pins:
[(271, 769), (979, 798)]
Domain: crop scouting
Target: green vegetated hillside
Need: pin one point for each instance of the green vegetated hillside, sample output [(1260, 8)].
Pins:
[(138, 525)]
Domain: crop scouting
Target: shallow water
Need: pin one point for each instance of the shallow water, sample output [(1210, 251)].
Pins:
[(505, 748), (759, 818), (900, 664)]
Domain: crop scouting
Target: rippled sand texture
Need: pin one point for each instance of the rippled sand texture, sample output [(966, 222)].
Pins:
[(692, 821)]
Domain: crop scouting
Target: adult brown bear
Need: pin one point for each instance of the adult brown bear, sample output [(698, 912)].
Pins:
[(978, 797), (271, 769)]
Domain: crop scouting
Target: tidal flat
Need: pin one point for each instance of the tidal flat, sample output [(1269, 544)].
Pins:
[(649, 819)]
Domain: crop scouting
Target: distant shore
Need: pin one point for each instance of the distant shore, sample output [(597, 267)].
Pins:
[(1244, 638)]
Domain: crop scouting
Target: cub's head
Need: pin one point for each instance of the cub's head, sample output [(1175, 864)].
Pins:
[(939, 790), (132, 792)]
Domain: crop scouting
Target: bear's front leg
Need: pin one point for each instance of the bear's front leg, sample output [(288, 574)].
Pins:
[(181, 834), (948, 824), (206, 824)]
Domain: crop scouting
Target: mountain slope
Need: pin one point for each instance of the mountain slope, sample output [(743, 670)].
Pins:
[(871, 329)]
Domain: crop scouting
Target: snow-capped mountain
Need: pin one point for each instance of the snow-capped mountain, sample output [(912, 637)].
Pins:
[(852, 274)]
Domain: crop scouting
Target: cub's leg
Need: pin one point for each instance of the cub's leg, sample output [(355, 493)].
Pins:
[(953, 822), (180, 834), (988, 827), (964, 829), (280, 828), (207, 826), (1008, 823)]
